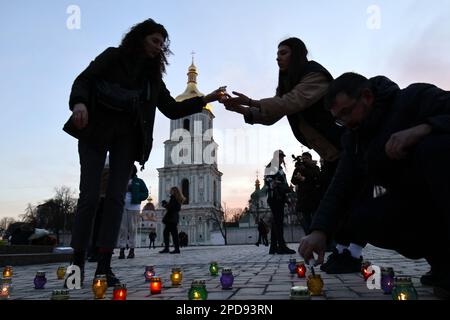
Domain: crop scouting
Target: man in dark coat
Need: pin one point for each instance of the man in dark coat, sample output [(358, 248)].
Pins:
[(306, 177), (398, 140)]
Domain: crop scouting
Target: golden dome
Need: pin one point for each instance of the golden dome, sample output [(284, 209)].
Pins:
[(191, 89)]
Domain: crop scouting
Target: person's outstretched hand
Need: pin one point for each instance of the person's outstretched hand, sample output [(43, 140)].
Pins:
[(241, 99), (220, 95), (315, 242), (80, 116)]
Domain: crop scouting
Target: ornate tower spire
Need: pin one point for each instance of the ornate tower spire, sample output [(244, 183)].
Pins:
[(192, 73), (257, 183)]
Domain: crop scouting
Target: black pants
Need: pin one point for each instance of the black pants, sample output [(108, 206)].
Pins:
[(306, 221), (277, 208), (152, 242), (171, 229), (414, 218), (93, 250), (344, 234), (122, 150), (262, 238)]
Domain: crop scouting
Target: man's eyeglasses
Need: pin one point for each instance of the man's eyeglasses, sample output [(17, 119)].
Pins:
[(343, 116)]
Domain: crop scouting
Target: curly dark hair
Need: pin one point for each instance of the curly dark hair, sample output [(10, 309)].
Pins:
[(288, 79), (133, 42)]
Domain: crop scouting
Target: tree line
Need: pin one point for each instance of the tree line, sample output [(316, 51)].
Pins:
[(55, 215)]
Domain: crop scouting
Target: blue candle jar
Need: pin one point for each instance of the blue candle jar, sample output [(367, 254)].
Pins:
[(40, 280), (292, 265), (227, 279), (387, 280)]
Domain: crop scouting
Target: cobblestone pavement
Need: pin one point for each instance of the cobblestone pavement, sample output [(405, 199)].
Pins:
[(258, 275)]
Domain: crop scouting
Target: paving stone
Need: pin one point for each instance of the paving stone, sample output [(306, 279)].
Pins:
[(258, 275)]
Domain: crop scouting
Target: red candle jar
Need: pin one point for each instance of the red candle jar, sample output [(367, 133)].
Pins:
[(155, 285), (365, 270), (120, 292), (300, 269)]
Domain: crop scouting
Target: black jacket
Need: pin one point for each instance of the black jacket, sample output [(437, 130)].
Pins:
[(364, 162), (308, 191), (115, 67), (172, 211)]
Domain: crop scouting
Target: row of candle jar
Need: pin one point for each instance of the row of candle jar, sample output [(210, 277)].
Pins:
[(6, 282), (196, 292), (401, 288), (8, 272), (176, 277)]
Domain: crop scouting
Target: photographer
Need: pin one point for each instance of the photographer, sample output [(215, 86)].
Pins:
[(306, 177)]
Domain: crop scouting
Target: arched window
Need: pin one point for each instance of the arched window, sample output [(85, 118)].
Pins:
[(185, 189), (187, 125)]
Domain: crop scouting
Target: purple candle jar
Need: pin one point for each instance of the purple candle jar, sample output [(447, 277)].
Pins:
[(40, 280), (227, 279), (292, 265), (149, 273), (387, 280)]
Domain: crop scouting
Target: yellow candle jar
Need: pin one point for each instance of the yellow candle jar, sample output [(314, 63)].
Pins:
[(61, 272), (7, 272), (176, 277), (315, 284), (99, 287)]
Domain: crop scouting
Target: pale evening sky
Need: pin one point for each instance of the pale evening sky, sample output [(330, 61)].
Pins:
[(236, 43)]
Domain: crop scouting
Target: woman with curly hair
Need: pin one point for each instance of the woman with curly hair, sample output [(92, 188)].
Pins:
[(113, 104)]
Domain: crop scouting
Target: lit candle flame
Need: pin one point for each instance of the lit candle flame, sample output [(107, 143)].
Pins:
[(402, 296), (196, 295)]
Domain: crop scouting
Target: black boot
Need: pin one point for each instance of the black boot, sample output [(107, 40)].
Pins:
[(273, 248), (284, 249), (122, 253), (104, 267), (131, 254)]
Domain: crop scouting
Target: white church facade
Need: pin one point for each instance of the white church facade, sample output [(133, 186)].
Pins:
[(190, 163)]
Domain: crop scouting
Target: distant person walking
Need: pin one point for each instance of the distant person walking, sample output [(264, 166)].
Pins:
[(262, 233), (152, 237), (171, 219)]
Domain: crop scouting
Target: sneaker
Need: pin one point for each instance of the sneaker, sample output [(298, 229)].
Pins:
[(345, 263), (111, 279), (257, 244), (164, 251), (330, 260), (175, 251)]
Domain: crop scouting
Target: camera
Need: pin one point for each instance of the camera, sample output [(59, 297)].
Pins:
[(298, 161)]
